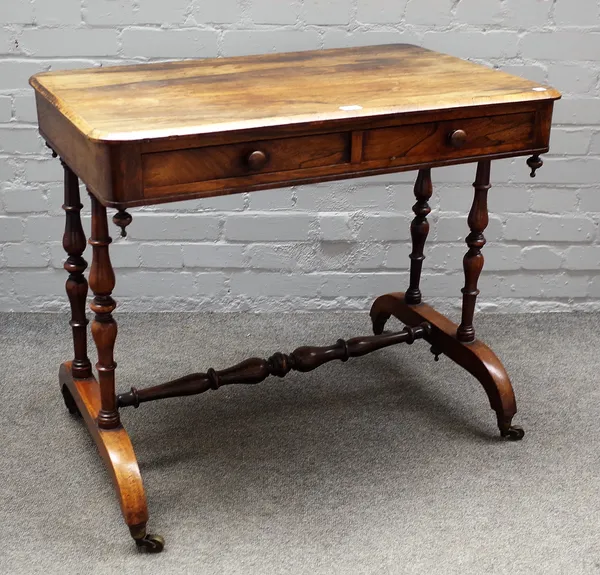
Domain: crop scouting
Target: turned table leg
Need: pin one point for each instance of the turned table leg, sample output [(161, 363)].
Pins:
[(96, 401), (473, 260), (104, 327), (419, 229), (77, 287), (456, 342)]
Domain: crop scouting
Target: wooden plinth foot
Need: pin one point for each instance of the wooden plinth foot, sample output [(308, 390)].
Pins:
[(82, 396), (476, 357)]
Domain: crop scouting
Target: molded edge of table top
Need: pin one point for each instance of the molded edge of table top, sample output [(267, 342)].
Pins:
[(536, 92)]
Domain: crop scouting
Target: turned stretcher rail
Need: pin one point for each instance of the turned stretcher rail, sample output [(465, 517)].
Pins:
[(255, 370)]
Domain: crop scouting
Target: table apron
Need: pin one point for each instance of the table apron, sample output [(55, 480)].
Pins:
[(139, 173)]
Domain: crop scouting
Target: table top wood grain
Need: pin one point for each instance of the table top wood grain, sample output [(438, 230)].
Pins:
[(190, 97)]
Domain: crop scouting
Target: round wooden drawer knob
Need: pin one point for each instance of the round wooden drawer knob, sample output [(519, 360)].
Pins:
[(257, 160), (458, 138)]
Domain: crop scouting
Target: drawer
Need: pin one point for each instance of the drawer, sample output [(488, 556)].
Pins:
[(247, 159), (448, 140)]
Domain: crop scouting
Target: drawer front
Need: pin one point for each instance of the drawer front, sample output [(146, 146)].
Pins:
[(171, 173), (248, 159), (448, 140)]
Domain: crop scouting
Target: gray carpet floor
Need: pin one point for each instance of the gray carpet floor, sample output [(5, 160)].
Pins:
[(390, 463)]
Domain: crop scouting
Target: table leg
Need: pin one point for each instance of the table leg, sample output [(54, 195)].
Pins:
[(77, 287), (456, 342), (96, 401), (473, 260), (104, 326), (419, 230)]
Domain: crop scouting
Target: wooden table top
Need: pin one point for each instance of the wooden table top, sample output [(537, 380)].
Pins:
[(150, 101)]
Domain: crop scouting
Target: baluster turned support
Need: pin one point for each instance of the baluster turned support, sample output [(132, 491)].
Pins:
[(76, 286), (473, 260), (419, 229), (104, 327)]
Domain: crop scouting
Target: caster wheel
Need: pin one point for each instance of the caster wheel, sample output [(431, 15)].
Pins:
[(513, 433), (69, 401), (151, 543)]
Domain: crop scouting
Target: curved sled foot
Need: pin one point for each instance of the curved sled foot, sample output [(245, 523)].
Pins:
[(115, 447), (146, 542), (476, 357)]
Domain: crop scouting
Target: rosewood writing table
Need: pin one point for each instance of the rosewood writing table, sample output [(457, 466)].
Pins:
[(152, 133)]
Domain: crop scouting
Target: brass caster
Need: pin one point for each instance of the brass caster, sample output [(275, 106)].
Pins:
[(69, 401), (513, 433), (151, 543)]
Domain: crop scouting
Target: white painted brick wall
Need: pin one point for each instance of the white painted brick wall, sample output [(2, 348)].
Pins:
[(326, 246)]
